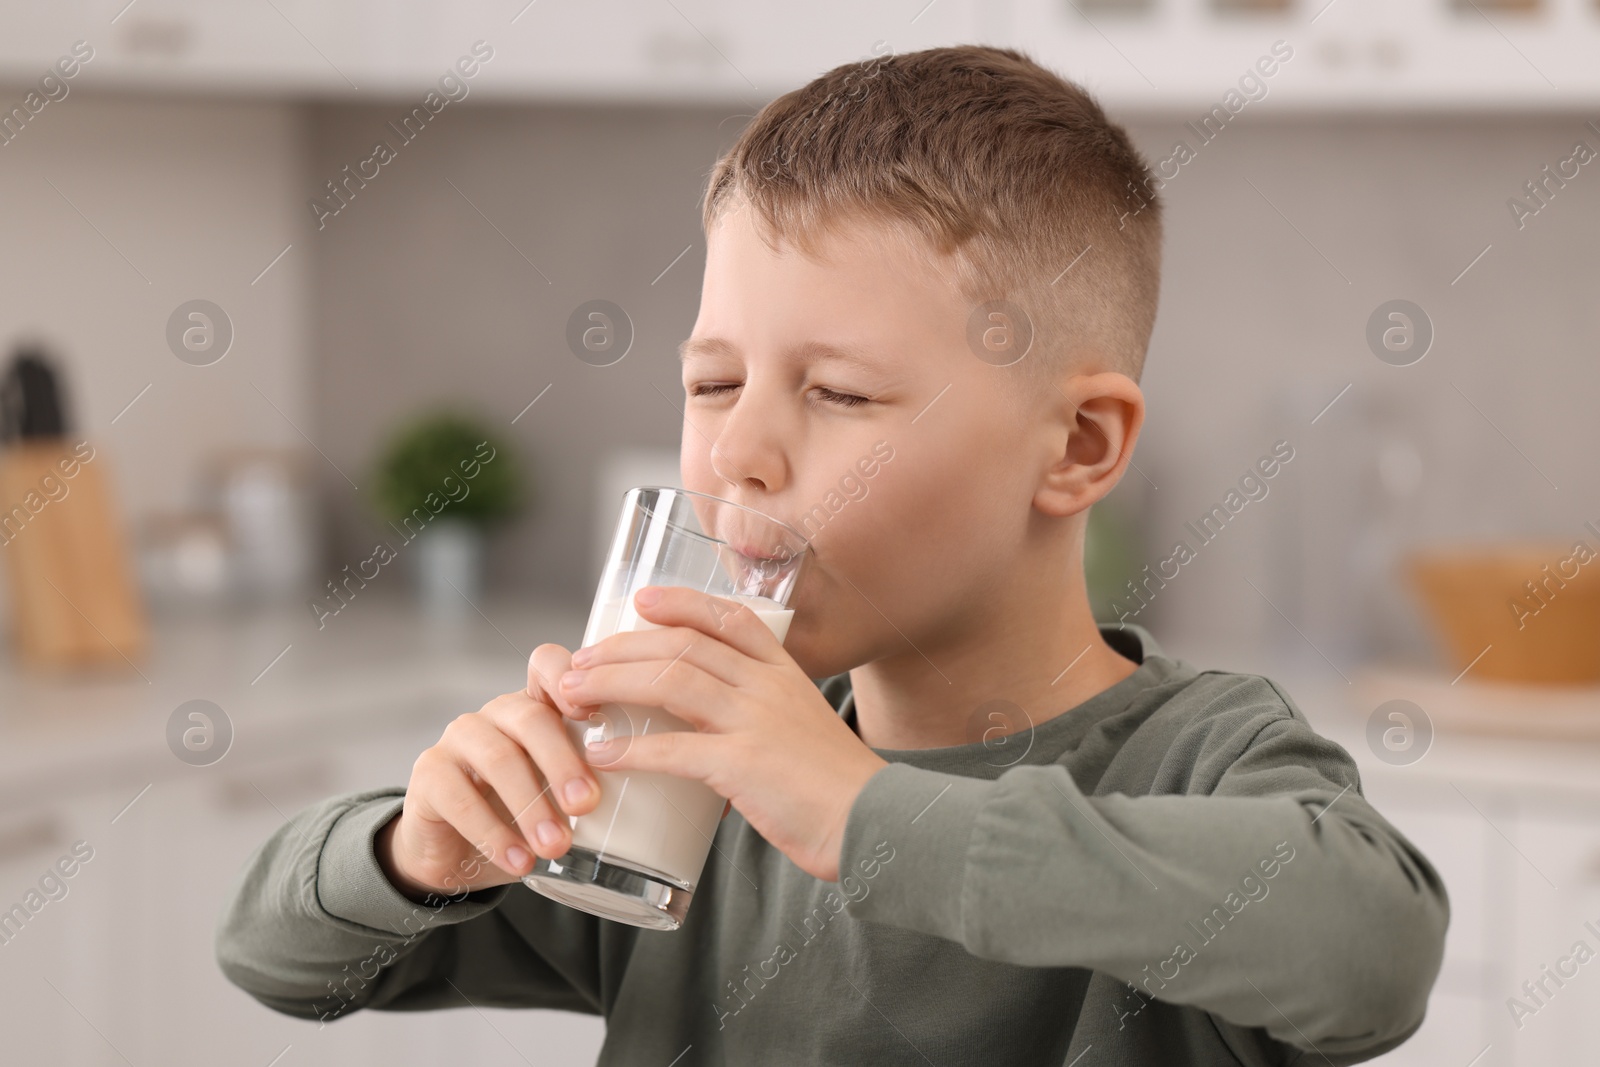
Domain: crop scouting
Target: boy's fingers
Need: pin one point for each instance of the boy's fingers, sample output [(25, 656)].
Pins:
[(446, 789), (668, 644), (540, 730), (732, 623), (545, 668), (684, 753), (678, 686), (509, 769)]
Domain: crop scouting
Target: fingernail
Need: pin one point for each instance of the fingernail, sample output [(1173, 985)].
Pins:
[(547, 832), (576, 790), (582, 656), (647, 596), (518, 858)]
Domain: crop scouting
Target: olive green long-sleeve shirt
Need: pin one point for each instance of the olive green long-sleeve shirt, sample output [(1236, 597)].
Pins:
[(1176, 871)]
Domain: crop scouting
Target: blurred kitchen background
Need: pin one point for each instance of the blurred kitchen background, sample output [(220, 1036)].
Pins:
[(236, 344)]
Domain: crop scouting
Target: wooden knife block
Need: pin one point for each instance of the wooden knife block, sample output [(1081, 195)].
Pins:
[(74, 598)]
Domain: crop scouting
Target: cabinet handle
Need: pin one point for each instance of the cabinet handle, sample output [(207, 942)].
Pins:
[(41, 834)]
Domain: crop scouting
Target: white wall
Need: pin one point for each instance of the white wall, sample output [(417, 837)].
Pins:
[(417, 299), (1265, 298), (198, 197)]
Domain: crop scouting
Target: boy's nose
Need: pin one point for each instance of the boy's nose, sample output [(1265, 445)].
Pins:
[(749, 451), (747, 464)]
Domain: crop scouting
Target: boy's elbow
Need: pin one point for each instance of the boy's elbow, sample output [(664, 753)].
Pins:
[(269, 990), (254, 984), (1386, 1005), (1383, 973)]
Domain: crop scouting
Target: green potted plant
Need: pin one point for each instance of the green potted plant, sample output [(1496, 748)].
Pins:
[(440, 481)]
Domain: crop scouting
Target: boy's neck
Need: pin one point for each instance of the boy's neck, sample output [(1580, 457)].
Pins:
[(1034, 644)]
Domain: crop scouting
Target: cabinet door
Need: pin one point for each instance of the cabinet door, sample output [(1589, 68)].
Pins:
[(207, 830), (121, 967), (1556, 919), (80, 981), (199, 830), (47, 938)]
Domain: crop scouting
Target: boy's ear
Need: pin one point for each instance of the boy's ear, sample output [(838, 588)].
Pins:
[(1095, 421)]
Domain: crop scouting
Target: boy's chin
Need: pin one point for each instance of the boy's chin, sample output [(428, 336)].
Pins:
[(816, 660), (803, 651), (800, 651)]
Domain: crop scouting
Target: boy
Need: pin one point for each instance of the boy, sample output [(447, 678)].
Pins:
[(967, 824)]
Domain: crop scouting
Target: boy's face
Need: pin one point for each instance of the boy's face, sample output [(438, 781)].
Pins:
[(911, 553)]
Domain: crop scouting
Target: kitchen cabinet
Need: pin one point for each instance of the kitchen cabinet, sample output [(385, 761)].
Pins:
[(362, 49), (51, 975), (1556, 907), (1164, 54), (130, 947), (123, 965), (122, 968)]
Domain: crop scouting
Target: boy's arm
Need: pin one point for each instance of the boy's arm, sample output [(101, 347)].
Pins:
[(1281, 900), (315, 930)]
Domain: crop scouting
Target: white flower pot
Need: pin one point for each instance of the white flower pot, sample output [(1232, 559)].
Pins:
[(449, 567)]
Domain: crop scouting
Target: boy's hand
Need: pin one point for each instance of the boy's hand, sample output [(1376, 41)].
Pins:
[(479, 798), (765, 737)]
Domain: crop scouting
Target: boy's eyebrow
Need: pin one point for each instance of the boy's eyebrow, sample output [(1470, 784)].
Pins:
[(806, 352)]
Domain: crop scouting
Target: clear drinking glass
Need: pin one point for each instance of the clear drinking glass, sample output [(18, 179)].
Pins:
[(638, 856)]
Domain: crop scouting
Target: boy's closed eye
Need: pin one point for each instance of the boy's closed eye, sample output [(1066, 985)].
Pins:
[(827, 395)]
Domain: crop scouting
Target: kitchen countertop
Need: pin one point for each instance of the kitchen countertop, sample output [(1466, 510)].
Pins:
[(281, 681), (278, 678), (1536, 744)]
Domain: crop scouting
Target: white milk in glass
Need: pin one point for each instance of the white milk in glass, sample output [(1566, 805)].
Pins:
[(659, 823)]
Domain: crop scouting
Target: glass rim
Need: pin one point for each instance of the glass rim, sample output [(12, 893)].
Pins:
[(804, 541)]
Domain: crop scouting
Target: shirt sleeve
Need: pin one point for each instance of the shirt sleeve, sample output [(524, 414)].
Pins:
[(1277, 898), (314, 929)]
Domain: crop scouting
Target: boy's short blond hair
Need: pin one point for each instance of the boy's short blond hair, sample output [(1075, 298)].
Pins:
[(986, 156)]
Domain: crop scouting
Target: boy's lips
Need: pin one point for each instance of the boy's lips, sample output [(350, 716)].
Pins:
[(762, 542), (761, 553), (751, 552)]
